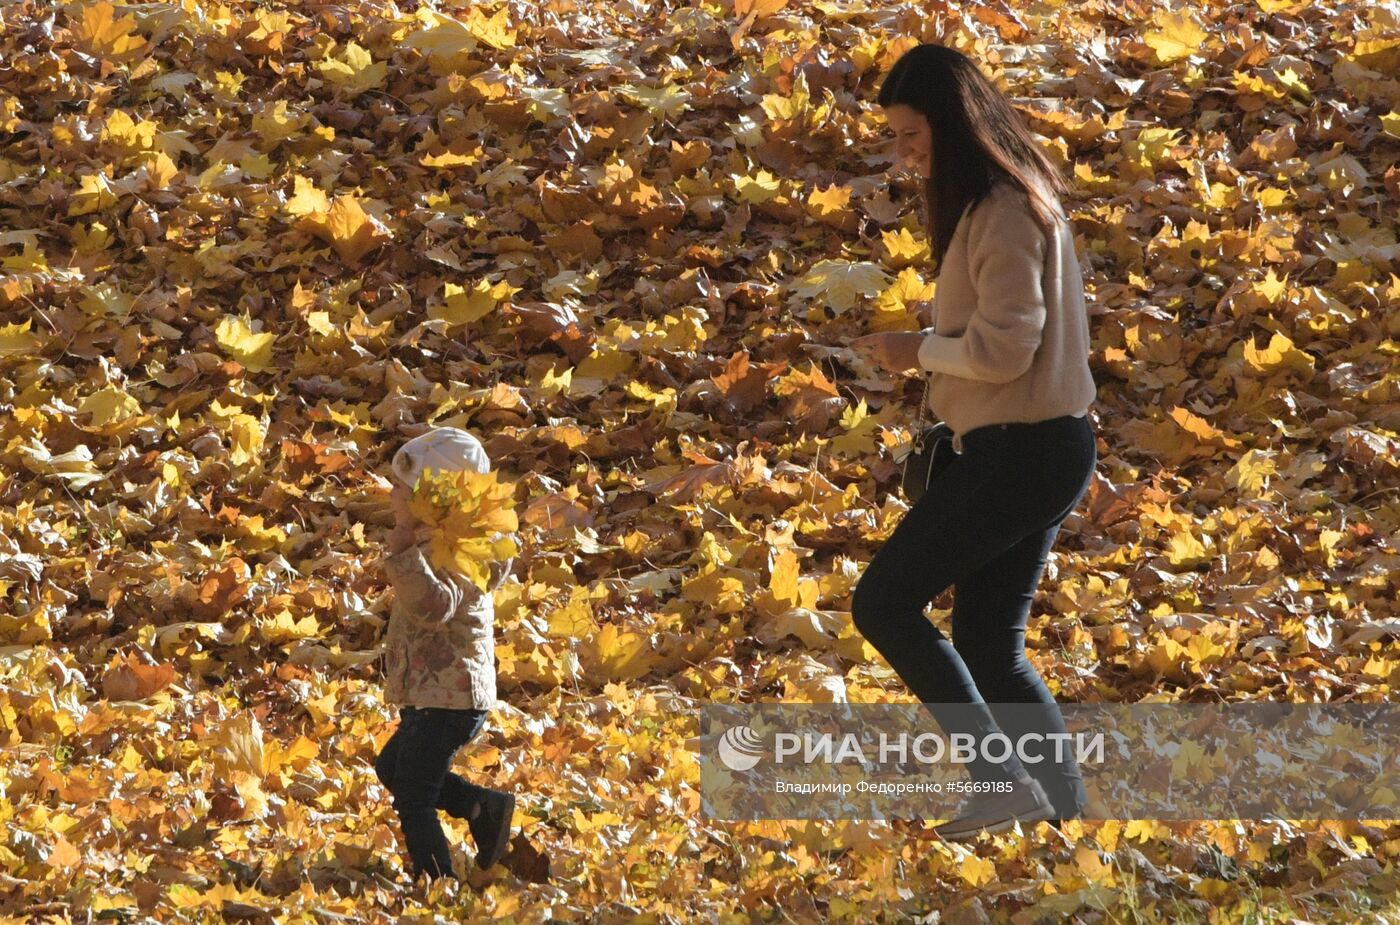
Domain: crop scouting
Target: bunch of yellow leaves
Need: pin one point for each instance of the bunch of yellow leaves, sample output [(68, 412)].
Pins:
[(470, 519)]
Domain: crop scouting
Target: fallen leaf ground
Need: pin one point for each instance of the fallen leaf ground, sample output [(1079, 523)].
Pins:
[(246, 250)]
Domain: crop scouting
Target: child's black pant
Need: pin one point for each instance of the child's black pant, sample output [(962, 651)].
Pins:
[(416, 766)]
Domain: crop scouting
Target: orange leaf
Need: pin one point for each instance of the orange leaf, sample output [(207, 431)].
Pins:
[(64, 854), (133, 680)]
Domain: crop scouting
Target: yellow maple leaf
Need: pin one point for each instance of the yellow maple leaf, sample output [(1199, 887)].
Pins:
[(273, 123), (1176, 36), (470, 517), (799, 382), (120, 129), (1202, 648), (254, 806), (838, 285), (301, 752), (896, 305), (452, 159), (575, 619), (1185, 551), (622, 653), (161, 170), (1390, 122), (759, 188), (122, 903), (94, 192), (793, 106), (830, 201), (307, 199), (31, 259), (247, 439), (1294, 83), (1202, 429), (1249, 85), (1151, 146), (236, 336), (464, 306), (254, 533), (1142, 831), (1271, 287), (285, 628), (109, 406), (348, 228), (606, 362), (904, 249), (64, 855), (106, 300), (664, 398), (546, 103), (976, 870), (16, 338), (237, 745), (320, 323), (783, 575), (227, 85), (1251, 474), (1093, 867), (1379, 53), (10, 109), (750, 12), (442, 37), (861, 431), (493, 30), (669, 100), (555, 383), (354, 70), (1280, 354), (99, 33)]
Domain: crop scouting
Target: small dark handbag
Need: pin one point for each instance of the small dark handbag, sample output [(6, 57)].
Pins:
[(930, 455), (933, 451)]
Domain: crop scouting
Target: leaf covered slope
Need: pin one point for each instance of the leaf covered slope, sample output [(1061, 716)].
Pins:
[(246, 250)]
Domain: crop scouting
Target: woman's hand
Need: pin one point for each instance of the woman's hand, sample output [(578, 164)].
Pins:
[(895, 351)]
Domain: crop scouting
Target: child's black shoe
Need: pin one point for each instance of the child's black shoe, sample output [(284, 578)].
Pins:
[(491, 827)]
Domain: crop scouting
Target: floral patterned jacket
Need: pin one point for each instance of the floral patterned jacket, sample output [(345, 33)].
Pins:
[(440, 650)]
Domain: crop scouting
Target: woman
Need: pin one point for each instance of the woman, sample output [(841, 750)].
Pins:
[(1007, 360)]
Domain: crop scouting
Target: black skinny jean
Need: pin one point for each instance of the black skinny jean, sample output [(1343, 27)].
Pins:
[(984, 527), (416, 766)]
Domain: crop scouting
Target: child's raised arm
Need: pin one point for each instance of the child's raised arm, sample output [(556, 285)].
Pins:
[(427, 598)]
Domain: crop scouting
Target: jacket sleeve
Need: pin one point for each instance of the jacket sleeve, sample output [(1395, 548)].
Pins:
[(940, 354), (1006, 255), (426, 598)]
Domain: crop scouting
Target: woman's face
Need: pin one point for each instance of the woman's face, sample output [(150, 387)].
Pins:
[(913, 139)]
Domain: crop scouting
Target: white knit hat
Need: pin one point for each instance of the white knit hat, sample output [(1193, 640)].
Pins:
[(445, 448)]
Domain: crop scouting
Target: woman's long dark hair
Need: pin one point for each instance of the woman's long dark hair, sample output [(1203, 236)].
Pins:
[(978, 138)]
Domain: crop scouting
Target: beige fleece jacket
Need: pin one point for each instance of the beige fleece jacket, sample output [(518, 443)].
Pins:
[(1010, 339)]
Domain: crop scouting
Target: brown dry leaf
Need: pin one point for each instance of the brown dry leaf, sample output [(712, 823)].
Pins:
[(134, 680)]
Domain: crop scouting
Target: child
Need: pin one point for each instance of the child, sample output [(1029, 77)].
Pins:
[(440, 668)]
